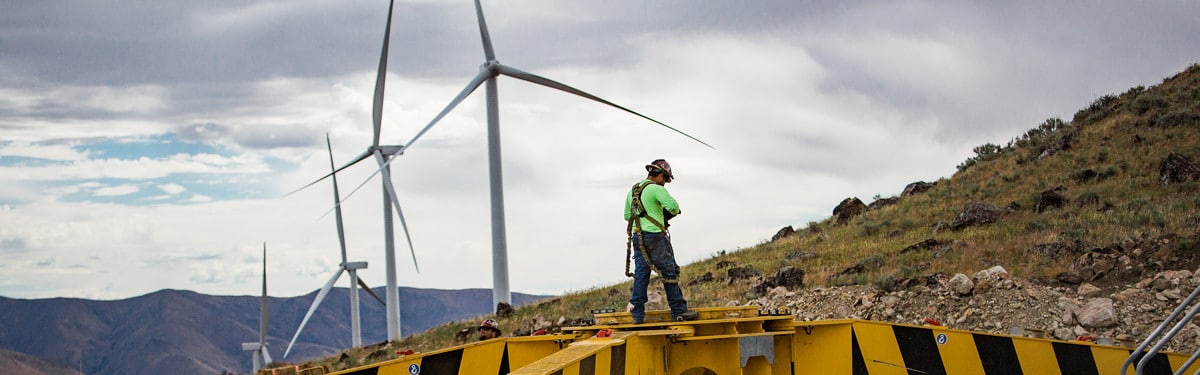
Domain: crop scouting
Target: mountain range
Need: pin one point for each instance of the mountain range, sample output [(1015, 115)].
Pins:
[(184, 332)]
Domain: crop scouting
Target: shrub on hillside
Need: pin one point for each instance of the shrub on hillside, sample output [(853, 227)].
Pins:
[(1098, 110), (1179, 117), (1147, 102), (984, 152)]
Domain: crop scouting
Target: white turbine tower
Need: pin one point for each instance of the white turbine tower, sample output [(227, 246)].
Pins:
[(262, 356), (347, 267), (488, 73), (383, 156)]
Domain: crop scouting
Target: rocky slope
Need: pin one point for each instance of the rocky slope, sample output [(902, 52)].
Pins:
[(995, 301)]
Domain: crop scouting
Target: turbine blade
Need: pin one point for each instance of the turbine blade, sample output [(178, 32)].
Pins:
[(347, 165), (313, 308), (539, 80), (337, 206), (391, 190), (371, 292), (466, 91), (262, 320), (483, 33), (381, 77), (266, 354), (337, 201)]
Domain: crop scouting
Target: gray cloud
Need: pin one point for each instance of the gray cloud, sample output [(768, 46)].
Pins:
[(11, 245), (818, 100)]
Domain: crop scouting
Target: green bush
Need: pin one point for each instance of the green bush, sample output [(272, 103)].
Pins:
[(984, 152), (1036, 226), (1151, 101), (872, 261), (886, 283), (1181, 117), (1141, 213), (1086, 198), (1100, 108)]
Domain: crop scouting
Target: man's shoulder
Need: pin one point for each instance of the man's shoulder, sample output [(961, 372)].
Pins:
[(656, 188)]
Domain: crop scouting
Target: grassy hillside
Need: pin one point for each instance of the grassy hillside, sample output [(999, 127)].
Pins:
[(1104, 164)]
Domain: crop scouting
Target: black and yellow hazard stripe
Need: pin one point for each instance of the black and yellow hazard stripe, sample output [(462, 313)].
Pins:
[(880, 348)]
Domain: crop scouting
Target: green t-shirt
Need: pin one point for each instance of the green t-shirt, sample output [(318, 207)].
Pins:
[(655, 199)]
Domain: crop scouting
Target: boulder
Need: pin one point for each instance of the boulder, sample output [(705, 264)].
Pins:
[(1098, 313), (1061, 249), (996, 273), (960, 284), (923, 245), (787, 277), (799, 254), (777, 292), (1088, 291), (504, 310), (1050, 199), (1068, 278), (852, 270), (1177, 168), (707, 277), (1094, 265), (882, 202), (739, 273), (848, 209), (976, 213), (783, 232), (917, 188), (790, 277), (1060, 144)]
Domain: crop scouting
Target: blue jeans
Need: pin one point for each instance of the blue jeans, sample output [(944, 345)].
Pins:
[(658, 246)]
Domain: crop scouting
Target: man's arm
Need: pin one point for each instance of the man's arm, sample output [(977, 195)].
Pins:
[(668, 203)]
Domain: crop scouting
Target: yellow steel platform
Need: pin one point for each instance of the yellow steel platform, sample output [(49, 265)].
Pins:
[(743, 340)]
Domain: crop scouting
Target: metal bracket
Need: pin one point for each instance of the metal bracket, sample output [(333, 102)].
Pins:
[(754, 346)]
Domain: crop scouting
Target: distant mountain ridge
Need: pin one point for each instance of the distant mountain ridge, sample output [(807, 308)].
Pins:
[(184, 332)]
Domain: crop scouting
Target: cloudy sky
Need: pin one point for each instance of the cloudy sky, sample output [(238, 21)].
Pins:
[(149, 144)]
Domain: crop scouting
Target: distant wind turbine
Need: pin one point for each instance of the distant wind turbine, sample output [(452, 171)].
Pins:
[(262, 356), (488, 73), (348, 267), (383, 155)]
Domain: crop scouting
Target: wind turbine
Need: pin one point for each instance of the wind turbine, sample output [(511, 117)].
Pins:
[(488, 72), (262, 356), (348, 267), (383, 155)]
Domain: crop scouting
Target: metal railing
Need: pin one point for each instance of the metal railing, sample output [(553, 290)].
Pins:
[(1145, 358)]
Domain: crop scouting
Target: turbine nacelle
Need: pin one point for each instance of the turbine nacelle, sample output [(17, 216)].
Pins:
[(387, 150), (491, 66)]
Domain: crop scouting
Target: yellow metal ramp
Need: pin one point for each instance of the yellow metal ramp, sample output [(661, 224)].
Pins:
[(743, 340)]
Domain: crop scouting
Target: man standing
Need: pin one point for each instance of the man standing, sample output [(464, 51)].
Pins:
[(648, 206)]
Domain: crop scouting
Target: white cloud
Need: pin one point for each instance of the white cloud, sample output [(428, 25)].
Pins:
[(172, 189), (141, 168), (113, 191), (62, 152)]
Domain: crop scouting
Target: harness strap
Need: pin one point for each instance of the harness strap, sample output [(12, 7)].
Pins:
[(634, 225)]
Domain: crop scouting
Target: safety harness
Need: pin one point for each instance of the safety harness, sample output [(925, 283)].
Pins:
[(634, 225)]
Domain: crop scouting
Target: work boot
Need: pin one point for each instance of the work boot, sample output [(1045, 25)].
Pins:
[(637, 321), (686, 315)]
